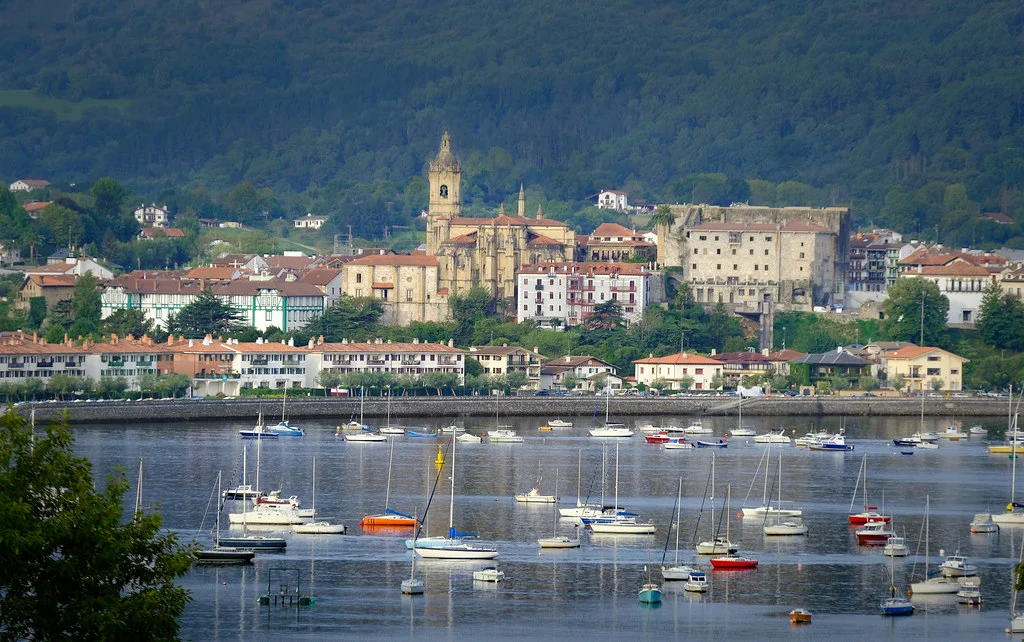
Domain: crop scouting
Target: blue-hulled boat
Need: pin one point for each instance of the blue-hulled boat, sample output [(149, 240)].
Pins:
[(428, 435), (259, 432), (650, 594), (283, 429), (712, 444), (896, 606)]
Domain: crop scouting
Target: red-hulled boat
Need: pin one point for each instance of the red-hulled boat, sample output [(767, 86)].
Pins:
[(869, 514), (874, 533), (657, 438), (733, 562)]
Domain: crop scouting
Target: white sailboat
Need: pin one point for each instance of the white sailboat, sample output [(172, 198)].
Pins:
[(740, 431), (456, 548), (581, 509), (610, 428), (675, 572), (780, 527), (283, 428), (717, 545), (560, 541), (318, 528), (358, 425), (388, 429), (1014, 514), (766, 509), (618, 523), (272, 508), (931, 585), (534, 496)]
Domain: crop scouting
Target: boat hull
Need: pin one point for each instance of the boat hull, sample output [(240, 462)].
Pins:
[(716, 548), (388, 521), (732, 563), (319, 528), (224, 556), (800, 616), (785, 529), (711, 444), (488, 575), (676, 572), (935, 586), (558, 542), (896, 606), (650, 594), (253, 542), (623, 529), (768, 511), (457, 552), (864, 518), (1009, 518)]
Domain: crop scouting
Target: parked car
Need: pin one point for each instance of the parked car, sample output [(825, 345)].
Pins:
[(541, 393)]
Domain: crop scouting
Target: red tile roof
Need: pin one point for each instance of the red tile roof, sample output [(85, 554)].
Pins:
[(683, 358), (35, 206), (354, 346), (912, 352), (170, 232), (213, 272), (320, 276)]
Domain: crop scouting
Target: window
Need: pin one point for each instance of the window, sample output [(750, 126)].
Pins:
[(696, 251), (766, 268), (268, 316), (703, 238), (768, 238), (756, 268), (359, 278), (933, 358), (408, 295), (694, 266), (766, 252), (934, 372), (751, 252), (801, 255), (699, 371), (718, 251), (359, 292), (734, 252), (719, 266)]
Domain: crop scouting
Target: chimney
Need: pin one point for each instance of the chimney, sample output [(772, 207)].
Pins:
[(113, 339), (312, 341), (504, 345), (536, 349), (451, 343), (567, 359), (713, 352), (35, 337), (190, 343), (415, 341), (259, 340)]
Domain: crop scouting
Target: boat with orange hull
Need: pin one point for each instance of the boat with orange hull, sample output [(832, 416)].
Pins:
[(800, 616), (389, 518)]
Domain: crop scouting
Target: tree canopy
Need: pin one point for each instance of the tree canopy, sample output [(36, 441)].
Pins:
[(206, 315), (72, 567), (915, 306)]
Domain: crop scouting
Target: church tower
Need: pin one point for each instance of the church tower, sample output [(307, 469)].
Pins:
[(445, 176)]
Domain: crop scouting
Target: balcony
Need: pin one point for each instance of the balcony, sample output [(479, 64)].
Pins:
[(214, 375), (539, 286), (44, 364), (259, 362), (340, 362), (146, 364), (15, 365), (375, 360), (410, 361), (447, 361), (115, 364)]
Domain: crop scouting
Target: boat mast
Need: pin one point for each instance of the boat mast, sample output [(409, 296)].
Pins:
[(216, 541), (387, 493), (313, 491), (604, 469), (451, 505), (856, 484), (927, 524), (284, 400), (713, 494), (1013, 452), (389, 425), (767, 465), (728, 503), (679, 506), (138, 493), (579, 475), (616, 477)]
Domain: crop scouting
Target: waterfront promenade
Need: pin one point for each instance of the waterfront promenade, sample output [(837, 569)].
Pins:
[(343, 409)]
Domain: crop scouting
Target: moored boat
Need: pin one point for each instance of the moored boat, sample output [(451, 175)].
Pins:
[(657, 438), (721, 443), (696, 582), (504, 436), (366, 437), (650, 594), (835, 442), (957, 565), (467, 438), (697, 428), (777, 436), (534, 497), (678, 443), (785, 528), (733, 562), (800, 616), (896, 546), (559, 423), (931, 585), (611, 430), (319, 528), (488, 574), (969, 595), (873, 533), (982, 523)]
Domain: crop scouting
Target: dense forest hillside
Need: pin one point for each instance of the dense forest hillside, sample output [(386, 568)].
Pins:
[(910, 111)]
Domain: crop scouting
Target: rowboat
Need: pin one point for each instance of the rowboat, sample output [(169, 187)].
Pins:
[(721, 443)]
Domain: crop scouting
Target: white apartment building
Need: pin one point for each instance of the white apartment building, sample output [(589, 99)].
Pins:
[(564, 294), (416, 358)]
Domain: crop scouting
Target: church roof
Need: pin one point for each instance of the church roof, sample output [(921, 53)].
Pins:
[(540, 239), (463, 238), (445, 160), (396, 260), (613, 229)]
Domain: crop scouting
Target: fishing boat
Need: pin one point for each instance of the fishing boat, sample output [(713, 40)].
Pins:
[(721, 443), (488, 574), (717, 545), (218, 554), (957, 565), (869, 513), (560, 541), (696, 582), (982, 523), (766, 509), (366, 437), (873, 533), (389, 518), (800, 616), (697, 428), (777, 436), (504, 436), (931, 585), (833, 443), (584, 509), (317, 528), (456, 548), (657, 437), (896, 546), (675, 572), (678, 443), (650, 593)]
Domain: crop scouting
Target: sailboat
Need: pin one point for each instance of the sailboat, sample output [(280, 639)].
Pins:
[(259, 431), (717, 545), (413, 585), (218, 554), (1014, 514), (242, 491), (560, 541), (318, 528), (650, 593), (740, 431), (456, 548), (620, 523), (1016, 618), (895, 605), (388, 429), (730, 561), (283, 429), (534, 496), (502, 434), (766, 509), (675, 572), (931, 585), (358, 425), (389, 518), (869, 513), (610, 428), (271, 508), (581, 509), (780, 527)]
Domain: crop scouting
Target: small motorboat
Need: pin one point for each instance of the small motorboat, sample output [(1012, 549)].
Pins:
[(835, 442), (873, 533), (982, 523), (534, 497), (800, 616), (489, 574), (743, 432), (777, 436), (467, 438), (907, 452), (812, 438), (697, 582), (976, 430), (927, 445), (241, 492), (697, 428), (650, 594), (657, 437), (648, 429), (733, 562), (558, 423), (283, 429), (786, 528), (363, 437), (678, 443), (721, 443), (452, 429), (896, 547), (952, 433), (957, 566), (412, 586), (319, 528), (971, 596), (428, 435), (504, 436), (259, 432)]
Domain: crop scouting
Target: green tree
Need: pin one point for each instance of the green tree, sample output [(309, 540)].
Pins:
[(516, 379), (909, 298), (207, 314), (604, 316), (717, 382), (349, 318), (779, 383), (570, 380), (868, 383), (73, 567), (440, 381), (936, 384), (327, 379), (659, 384), (1001, 319), (685, 383), (85, 306), (36, 310), (898, 383), (62, 314), (127, 322), (466, 310)]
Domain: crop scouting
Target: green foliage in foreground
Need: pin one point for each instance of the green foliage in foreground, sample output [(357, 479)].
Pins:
[(71, 567)]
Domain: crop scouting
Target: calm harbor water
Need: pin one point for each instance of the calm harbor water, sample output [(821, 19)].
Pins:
[(557, 594)]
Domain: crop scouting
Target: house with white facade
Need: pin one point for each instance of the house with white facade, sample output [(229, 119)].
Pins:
[(309, 222), (564, 294), (611, 199), (327, 280), (680, 371), (71, 266), (415, 359), (152, 215), (961, 277), (591, 374), (27, 185)]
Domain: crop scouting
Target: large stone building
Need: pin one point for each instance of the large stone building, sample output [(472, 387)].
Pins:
[(406, 285), (485, 252), (800, 253)]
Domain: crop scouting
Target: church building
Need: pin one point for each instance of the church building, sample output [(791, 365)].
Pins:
[(486, 252)]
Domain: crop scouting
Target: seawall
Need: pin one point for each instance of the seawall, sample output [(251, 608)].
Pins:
[(343, 409)]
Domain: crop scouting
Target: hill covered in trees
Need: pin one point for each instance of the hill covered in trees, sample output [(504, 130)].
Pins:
[(911, 112)]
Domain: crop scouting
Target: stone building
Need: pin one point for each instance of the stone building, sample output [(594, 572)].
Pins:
[(485, 252), (406, 285), (564, 294), (805, 250), (613, 242)]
